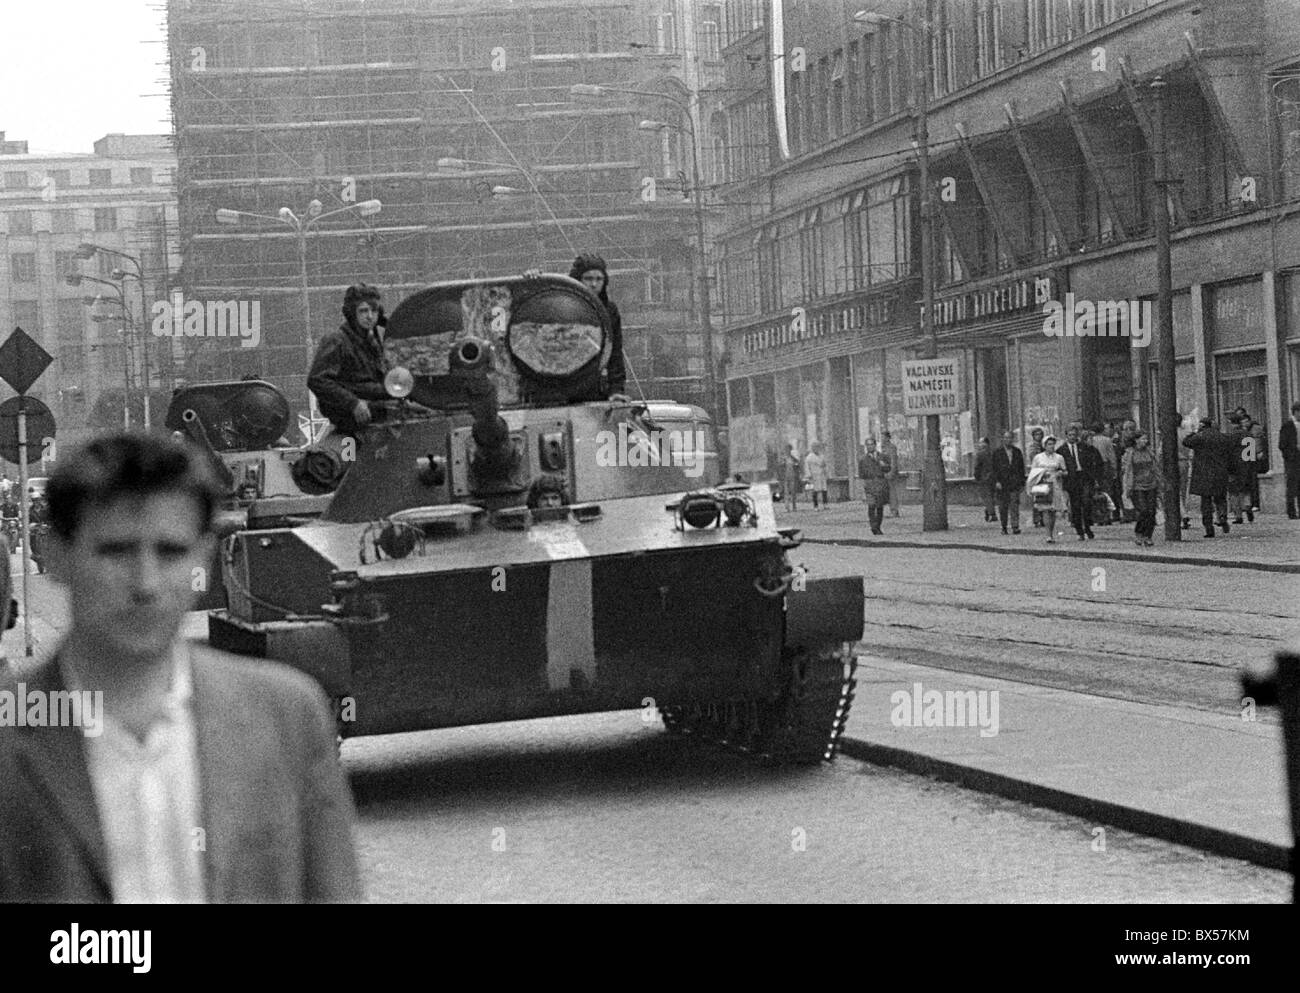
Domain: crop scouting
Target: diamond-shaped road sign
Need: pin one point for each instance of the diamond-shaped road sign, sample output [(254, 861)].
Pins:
[(22, 360)]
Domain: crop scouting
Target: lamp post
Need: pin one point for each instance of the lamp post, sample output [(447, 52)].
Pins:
[(76, 279), (1167, 398), (702, 300), (934, 495), (366, 208), (87, 250)]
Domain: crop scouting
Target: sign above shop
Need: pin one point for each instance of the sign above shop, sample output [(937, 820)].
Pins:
[(881, 310), (1003, 299), (931, 386)]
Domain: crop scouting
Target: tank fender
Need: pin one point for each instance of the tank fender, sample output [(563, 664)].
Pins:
[(824, 612)]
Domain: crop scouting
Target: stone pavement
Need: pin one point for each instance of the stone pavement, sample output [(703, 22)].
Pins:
[(1271, 544), (1211, 781)]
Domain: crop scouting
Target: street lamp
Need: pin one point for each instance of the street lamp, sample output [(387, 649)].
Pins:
[(934, 496), (366, 208), (87, 250), (119, 297), (702, 299)]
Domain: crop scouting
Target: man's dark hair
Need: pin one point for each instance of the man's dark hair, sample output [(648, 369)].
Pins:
[(356, 294), (128, 464), (547, 482)]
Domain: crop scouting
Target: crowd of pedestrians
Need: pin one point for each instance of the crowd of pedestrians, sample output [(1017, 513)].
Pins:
[(1098, 475)]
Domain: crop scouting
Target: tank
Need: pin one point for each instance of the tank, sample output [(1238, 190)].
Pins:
[(511, 545), (243, 429)]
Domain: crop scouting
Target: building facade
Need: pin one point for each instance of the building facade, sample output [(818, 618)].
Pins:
[(462, 120), (1041, 141), (119, 197)]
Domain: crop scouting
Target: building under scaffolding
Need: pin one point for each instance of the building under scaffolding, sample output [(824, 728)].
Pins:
[(279, 104)]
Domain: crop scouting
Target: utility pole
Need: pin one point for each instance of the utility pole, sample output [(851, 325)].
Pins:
[(934, 486), (1167, 416)]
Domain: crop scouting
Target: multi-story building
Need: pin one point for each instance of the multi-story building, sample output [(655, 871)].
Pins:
[(52, 208), (461, 119), (1041, 143)]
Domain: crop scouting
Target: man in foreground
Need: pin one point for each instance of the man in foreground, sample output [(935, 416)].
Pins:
[(186, 775)]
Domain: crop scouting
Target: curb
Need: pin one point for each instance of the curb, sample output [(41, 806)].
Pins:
[(1093, 552), (1267, 854)]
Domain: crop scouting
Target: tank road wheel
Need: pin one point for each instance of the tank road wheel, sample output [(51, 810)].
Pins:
[(804, 724)]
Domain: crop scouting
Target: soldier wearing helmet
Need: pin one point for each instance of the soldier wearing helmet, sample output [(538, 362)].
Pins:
[(592, 271), (347, 373)]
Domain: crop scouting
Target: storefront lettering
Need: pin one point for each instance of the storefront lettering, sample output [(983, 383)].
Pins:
[(881, 311), (1007, 298)]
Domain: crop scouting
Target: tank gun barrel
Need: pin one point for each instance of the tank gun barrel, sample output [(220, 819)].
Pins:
[(495, 453), (193, 427)]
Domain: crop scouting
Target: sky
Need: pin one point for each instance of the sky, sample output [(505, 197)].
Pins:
[(76, 70)]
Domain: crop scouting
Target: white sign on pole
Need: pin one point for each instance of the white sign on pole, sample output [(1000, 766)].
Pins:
[(931, 386)]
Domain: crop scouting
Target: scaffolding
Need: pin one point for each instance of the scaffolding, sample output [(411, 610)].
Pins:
[(277, 104)]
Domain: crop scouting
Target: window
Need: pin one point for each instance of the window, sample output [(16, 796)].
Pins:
[(72, 358), (15, 180), (853, 67), (65, 264), (62, 178), (663, 34), (711, 32), (65, 221), (105, 219), (20, 222), (835, 108), (27, 317), (988, 37), (22, 267), (141, 176), (767, 275), (101, 177)]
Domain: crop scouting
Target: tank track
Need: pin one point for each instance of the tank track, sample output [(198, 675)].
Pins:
[(801, 726)]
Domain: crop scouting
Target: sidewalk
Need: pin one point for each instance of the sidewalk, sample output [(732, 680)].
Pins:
[(1271, 544), (1210, 781)]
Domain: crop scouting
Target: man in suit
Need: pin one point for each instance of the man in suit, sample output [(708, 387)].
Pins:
[(1288, 440), (1082, 471), (1008, 481), (186, 775), (1213, 463)]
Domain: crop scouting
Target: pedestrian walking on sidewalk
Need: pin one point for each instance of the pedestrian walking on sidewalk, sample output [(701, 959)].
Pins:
[(1082, 464), (875, 484), (1008, 482), (1101, 441), (791, 478), (1256, 431), (1212, 465), (1143, 482), (984, 479), (1032, 451), (1288, 442), (1045, 485), (889, 454), (814, 467), (1241, 481)]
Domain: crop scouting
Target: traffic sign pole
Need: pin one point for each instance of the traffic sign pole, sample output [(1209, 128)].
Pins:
[(23, 517)]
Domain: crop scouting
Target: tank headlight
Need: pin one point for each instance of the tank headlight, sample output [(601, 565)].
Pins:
[(699, 510)]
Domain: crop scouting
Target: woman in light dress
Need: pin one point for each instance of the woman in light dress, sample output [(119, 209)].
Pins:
[(1046, 473)]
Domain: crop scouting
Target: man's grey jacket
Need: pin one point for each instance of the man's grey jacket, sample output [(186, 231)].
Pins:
[(275, 808)]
